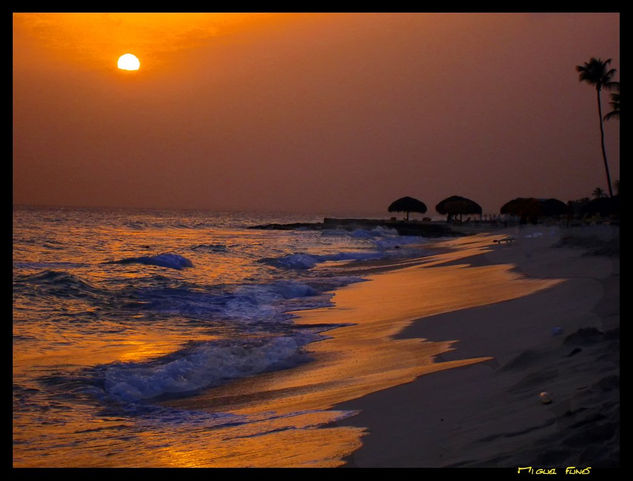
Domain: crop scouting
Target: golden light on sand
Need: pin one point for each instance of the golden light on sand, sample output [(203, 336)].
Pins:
[(128, 62)]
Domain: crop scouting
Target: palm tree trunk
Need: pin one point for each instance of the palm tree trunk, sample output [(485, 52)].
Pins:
[(604, 153)]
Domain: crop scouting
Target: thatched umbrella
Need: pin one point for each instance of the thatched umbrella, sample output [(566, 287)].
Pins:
[(552, 207), (523, 207), (456, 204), (407, 204), (532, 208)]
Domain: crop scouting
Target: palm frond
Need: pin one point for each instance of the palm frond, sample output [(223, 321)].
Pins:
[(595, 72), (615, 105)]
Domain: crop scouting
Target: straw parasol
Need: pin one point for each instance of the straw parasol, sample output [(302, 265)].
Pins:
[(532, 208), (407, 204), (456, 204), (552, 207)]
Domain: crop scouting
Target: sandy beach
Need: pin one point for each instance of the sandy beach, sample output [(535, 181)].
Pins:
[(562, 340), (440, 361)]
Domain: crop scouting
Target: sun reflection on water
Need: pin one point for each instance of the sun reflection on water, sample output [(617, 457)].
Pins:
[(282, 418)]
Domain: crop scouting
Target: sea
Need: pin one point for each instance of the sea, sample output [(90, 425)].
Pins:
[(119, 312)]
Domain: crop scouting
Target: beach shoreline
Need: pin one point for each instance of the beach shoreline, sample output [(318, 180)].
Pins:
[(563, 340)]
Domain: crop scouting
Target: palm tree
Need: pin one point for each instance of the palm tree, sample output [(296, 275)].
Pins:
[(598, 193), (596, 72), (615, 104)]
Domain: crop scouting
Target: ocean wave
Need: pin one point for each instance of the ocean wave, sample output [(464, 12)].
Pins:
[(203, 366), (381, 238), (210, 247), (47, 265), (360, 233), (388, 243), (245, 304), (254, 304), (180, 301), (307, 261), (374, 233), (55, 283), (276, 290), (135, 225), (172, 261), (53, 245), (380, 243)]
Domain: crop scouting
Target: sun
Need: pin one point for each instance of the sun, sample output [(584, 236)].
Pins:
[(128, 62)]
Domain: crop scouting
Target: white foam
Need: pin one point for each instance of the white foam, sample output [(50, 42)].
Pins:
[(207, 365), (307, 261)]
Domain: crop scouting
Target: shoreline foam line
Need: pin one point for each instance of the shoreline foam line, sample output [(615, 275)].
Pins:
[(563, 340), (365, 356)]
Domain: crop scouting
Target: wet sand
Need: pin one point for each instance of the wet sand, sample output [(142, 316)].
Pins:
[(563, 339), (439, 361)]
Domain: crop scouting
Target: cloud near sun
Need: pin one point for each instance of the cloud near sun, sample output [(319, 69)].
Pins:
[(97, 40)]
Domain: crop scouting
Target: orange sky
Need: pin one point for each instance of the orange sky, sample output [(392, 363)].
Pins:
[(318, 113)]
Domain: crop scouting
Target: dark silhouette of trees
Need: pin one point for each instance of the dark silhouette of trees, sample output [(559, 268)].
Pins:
[(596, 72), (598, 192)]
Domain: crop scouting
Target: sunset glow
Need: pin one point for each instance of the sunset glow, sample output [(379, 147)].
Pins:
[(360, 239), (316, 111)]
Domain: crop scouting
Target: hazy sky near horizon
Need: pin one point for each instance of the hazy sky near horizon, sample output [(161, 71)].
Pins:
[(316, 113)]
